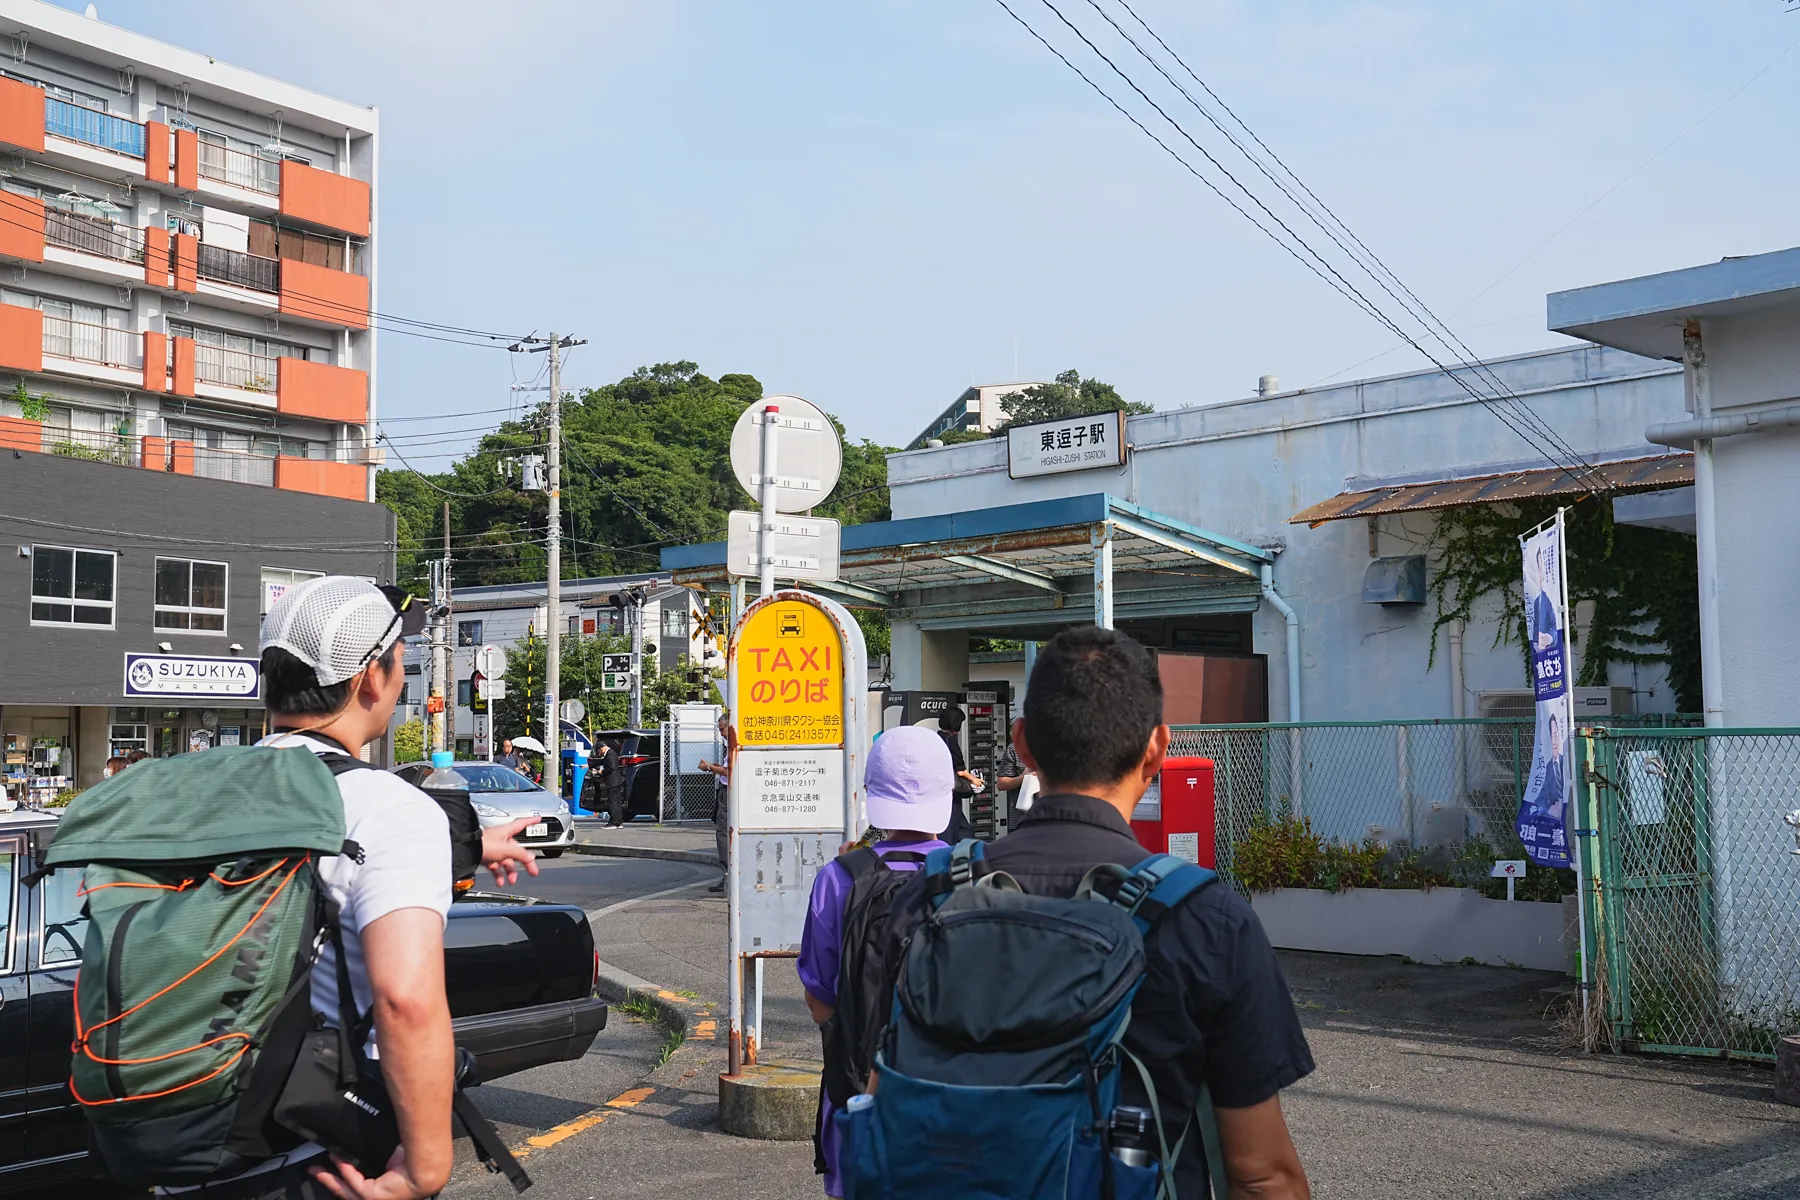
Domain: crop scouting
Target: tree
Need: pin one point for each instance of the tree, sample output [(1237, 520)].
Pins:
[(646, 464), (1069, 396), (522, 710), (409, 741)]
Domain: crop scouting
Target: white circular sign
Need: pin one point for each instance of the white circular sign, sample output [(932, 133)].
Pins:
[(808, 456), (573, 711), (490, 660)]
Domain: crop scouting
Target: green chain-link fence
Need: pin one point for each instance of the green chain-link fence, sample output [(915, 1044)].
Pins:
[(1418, 782), (1697, 920)]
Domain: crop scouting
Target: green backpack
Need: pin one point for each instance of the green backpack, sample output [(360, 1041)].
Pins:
[(206, 916)]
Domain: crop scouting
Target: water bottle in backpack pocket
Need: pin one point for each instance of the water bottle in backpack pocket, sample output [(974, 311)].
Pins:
[(999, 1073)]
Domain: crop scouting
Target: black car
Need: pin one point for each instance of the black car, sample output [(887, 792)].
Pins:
[(640, 762), (520, 977)]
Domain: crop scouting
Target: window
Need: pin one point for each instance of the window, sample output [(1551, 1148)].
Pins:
[(674, 621), (465, 747), (574, 624), (72, 587), (276, 580), (463, 693), (468, 633), (65, 926), (190, 595), (405, 694), (126, 738)]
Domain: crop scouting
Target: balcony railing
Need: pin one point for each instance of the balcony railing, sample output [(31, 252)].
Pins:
[(241, 369), (239, 269), (96, 445), (94, 235), (235, 466), (240, 168), (84, 342), (95, 128)]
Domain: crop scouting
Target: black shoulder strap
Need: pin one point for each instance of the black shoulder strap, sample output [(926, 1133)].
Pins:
[(341, 764), (859, 862), (905, 856)]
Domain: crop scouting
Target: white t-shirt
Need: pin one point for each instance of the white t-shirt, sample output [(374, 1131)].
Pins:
[(405, 842), (406, 864)]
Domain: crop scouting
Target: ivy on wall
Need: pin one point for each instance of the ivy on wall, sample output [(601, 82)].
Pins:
[(1642, 582)]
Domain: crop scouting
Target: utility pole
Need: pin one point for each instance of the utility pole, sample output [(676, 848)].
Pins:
[(553, 545), (765, 538), (635, 716), (553, 584)]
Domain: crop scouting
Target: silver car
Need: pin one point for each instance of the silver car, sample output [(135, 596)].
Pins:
[(501, 795)]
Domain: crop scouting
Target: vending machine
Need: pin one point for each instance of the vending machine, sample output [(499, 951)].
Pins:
[(988, 704)]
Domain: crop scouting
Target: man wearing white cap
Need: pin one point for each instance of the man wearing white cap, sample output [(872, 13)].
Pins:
[(331, 675)]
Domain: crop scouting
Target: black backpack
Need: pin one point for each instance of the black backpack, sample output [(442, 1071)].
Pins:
[(854, 1030)]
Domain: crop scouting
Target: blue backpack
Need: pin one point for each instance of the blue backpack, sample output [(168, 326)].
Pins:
[(1000, 1067)]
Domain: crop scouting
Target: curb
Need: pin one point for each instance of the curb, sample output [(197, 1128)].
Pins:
[(702, 857), (674, 1011)]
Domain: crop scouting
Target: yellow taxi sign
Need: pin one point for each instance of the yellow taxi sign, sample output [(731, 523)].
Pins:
[(789, 659)]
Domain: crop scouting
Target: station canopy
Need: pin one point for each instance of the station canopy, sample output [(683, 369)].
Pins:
[(1046, 562), (1619, 478)]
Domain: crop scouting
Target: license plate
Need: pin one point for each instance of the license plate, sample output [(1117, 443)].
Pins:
[(541, 829)]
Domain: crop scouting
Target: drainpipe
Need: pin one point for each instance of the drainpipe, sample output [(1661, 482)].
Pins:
[(1459, 706), (1296, 760), (1293, 639), (1706, 542), (1686, 434)]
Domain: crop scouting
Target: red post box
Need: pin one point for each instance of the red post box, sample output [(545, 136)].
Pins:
[(1177, 816)]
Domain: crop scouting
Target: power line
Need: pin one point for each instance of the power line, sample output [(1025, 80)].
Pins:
[(426, 480), (1520, 421)]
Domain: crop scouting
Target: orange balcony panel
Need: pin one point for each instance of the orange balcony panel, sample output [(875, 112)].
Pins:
[(156, 361), (346, 481), (322, 294), (321, 391), (184, 366), (324, 198), (155, 453), (17, 433), (187, 262), (22, 115), (21, 225), (21, 338), (187, 160), (181, 457), (156, 152), (156, 257)]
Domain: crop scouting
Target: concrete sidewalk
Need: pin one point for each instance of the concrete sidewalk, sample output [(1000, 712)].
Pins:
[(687, 842), (1432, 1082)]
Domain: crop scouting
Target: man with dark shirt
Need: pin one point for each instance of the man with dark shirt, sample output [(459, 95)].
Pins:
[(509, 757), (1214, 1008)]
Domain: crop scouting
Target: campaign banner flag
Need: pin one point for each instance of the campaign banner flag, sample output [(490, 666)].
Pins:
[(1544, 808)]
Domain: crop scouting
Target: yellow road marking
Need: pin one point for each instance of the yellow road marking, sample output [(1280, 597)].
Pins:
[(705, 1030), (631, 1099), (566, 1130)]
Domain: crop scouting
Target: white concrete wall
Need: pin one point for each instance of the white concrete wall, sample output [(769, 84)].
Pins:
[(1242, 468)]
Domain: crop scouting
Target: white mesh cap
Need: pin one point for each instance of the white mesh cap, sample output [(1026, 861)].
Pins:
[(336, 624)]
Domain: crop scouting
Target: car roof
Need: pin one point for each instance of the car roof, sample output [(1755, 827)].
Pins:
[(28, 818)]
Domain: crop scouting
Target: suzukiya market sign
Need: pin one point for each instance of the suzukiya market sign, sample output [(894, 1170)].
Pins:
[(1069, 444), (191, 677)]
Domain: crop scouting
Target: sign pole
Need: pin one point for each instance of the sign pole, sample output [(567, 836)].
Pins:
[(1579, 811), (765, 540)]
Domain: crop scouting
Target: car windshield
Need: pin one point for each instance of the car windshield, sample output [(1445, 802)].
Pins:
[(492, 777)]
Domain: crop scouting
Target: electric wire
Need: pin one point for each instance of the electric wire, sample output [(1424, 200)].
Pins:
[(1312, 259)]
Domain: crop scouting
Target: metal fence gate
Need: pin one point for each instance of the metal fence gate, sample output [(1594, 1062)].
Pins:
[(1698, 915), (684, 792)]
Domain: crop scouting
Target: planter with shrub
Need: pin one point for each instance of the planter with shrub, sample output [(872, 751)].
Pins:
[(1434, 904)]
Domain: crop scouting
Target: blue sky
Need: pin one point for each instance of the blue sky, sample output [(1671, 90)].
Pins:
[(873, 203)]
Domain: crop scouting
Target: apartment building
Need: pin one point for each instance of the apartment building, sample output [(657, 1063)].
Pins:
[(978, 408), (187, 269)]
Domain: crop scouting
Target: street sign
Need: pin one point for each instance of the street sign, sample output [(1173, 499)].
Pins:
[(615, 681), (478, 696), (803, 547), (493, 689), (810, 457), (616, 664), (1066, 444), (490, 660), (1509, 869), (797, 694), (788, 663), (573, 711)]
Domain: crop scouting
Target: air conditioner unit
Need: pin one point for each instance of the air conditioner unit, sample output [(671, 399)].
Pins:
[(1590, 702)]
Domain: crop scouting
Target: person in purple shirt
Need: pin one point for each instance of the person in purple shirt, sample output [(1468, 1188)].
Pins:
[(907, 788)]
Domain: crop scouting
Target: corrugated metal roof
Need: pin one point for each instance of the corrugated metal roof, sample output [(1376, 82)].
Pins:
[(1622, 477)]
